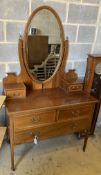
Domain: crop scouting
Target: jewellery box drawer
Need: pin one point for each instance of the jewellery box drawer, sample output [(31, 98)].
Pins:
[(34, 119), (15, 90), (80, 111), (15, 93), (77, 87), (51, 130)]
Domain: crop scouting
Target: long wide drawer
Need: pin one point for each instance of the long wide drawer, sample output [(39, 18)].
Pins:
[(78, 111), (51, 130), (34, 119)]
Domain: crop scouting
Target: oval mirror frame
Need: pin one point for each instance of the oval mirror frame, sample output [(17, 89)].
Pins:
[(25, 42)]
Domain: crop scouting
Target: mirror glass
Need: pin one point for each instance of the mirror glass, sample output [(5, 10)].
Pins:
[(43, 45)]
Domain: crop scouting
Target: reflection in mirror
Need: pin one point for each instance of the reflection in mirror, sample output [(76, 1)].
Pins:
[(98, 68), (43, 44), (96, 79)]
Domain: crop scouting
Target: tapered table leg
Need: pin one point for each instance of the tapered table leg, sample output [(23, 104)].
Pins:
[(85, 140), (12, 157), (12, 144)]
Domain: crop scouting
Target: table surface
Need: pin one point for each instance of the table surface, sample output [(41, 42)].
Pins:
[(47, 99)]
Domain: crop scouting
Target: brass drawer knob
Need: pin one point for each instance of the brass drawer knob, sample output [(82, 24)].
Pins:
[(36, 119), (31, 133), (14, 94), (73, 126), (75, 113), (35, 133)]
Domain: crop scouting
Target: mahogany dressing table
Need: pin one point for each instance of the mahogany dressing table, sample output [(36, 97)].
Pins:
[(41, 102)]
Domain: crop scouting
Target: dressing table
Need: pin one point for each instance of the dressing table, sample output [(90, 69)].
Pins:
[(42, 107)]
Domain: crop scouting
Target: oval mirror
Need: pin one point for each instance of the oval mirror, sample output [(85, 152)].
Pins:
[(43, 41)]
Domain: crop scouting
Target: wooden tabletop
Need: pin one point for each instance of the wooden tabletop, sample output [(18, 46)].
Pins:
[(47, 99), (2, 133), (2, 99)]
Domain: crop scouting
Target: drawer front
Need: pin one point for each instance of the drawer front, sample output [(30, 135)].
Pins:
[(51, 131), (80, 111), (34, 119), (15, 93), (77, 87)]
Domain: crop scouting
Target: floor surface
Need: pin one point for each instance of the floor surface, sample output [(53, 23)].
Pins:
[(58, 156)]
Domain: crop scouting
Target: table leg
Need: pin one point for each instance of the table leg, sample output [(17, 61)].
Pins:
[(12, 157), (12, 144), (85, 140)]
